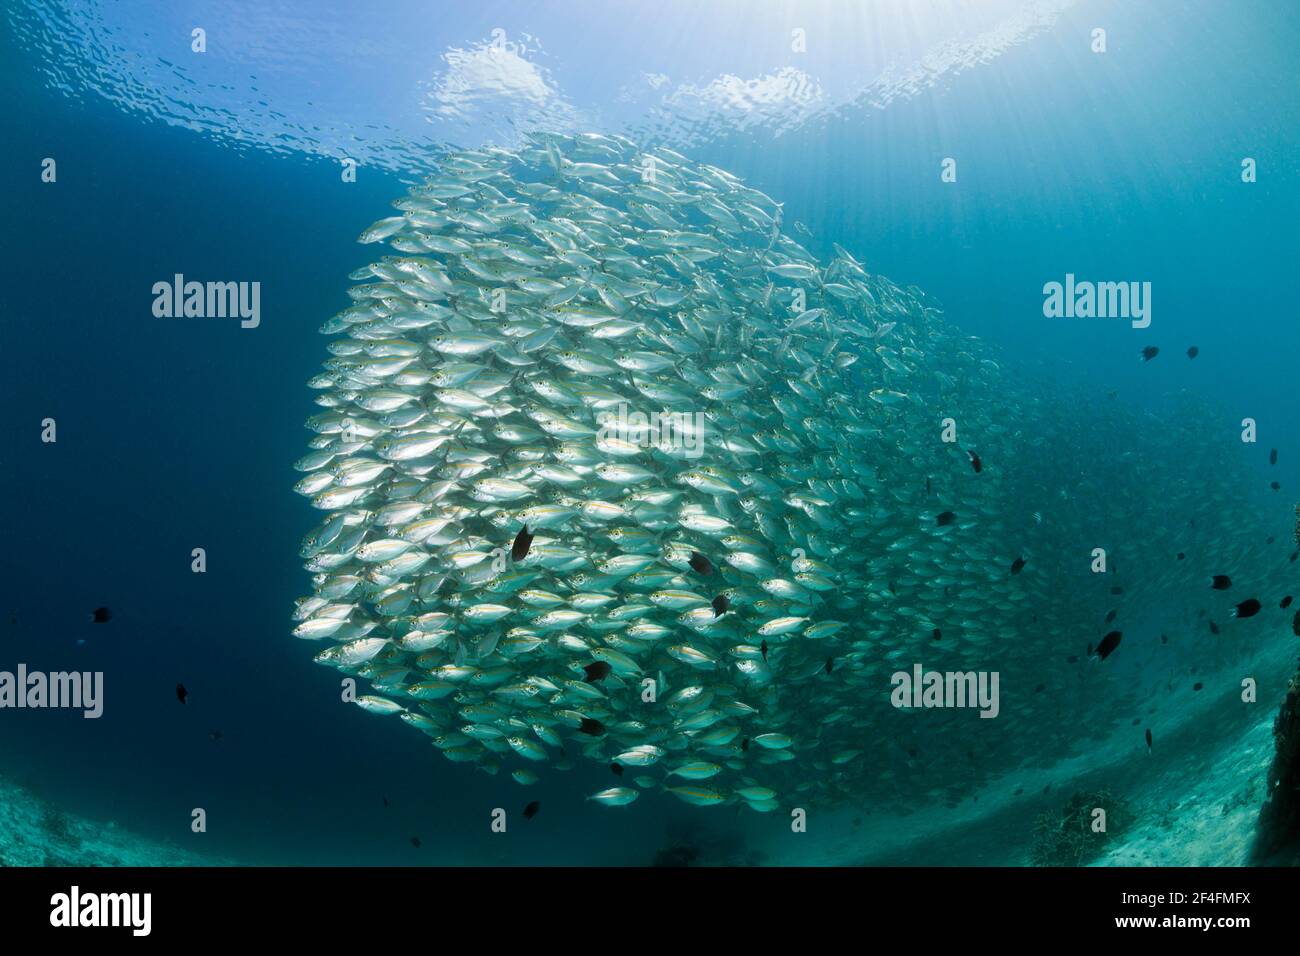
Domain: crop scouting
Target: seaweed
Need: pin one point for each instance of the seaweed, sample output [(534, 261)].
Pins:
[(1064, 837)]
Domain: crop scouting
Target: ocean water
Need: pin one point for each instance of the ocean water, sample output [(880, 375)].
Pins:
[(1122, 165)]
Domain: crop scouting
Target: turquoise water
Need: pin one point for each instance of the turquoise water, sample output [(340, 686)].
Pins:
[(1123, 165)]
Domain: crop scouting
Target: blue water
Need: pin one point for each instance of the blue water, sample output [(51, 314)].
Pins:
[(180, 434)]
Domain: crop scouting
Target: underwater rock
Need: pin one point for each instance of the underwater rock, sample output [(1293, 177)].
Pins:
[(1277, 836)]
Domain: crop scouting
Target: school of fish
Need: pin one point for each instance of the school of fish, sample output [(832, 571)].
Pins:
[(523, 564)]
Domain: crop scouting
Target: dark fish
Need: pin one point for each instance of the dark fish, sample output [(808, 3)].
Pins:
[(181, 693), (911, 752), (721, 605), (1247, 608), (744, 744), (1149, 353), (938, 634), (1110, 615), (530, 811), (1193, 352), (1275, 486), (1181, 555), (1164, 638), (830, 664), (1018, 565), (1295, 624), (946, 518), (1117, 590), (415, 842), (597, 670), (384, 798), (1197, 686), (616, 769), (927, 484), (1272, 457), (1108, 644), (1019, 791), (1039, 688), (523, 541), (216, 734), (1072, 659), (1214, 628), (1220, 582), (975, 461), (592, 726), (700, 564), (1148, 740), (1090, 648), (101, 615), (1294, 555), (1286, 602), (763, 647)]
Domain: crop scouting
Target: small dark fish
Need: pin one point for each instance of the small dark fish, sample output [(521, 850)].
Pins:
[(1148, 740), (1275, 486), (1200, 614), (1090, 648), (927, 484), (384, 798), (763, 647), (1220, 582), (1272, 457), (1214, 628), (1117, 590), (1295, 624), (744, 744), (1286, 602), (830, 664), (938, 634), (1072, 659), (1294, 555), (948, 517), (523, 541), (216, 734), (1019, 791), (975, 461), (616, 769), (597, 670), (1039, 688), (1110, 615), (530, 811), (415, 842), (101, 615), (1149, 353), (721, 605), (1108, 644), (1164, 638), (700, 564), (1181, 556), (1247, 608), (592, 726), (1018, 565), (181, 693), (911, 752), (1197, 686), (1193, 352)]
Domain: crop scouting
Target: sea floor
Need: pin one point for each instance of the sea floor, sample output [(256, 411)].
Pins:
[(33, 832)]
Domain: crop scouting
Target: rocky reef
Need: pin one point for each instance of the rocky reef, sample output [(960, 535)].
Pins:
[(1277, 836)]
